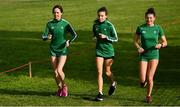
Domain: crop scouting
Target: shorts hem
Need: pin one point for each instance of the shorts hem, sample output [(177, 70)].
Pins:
[(111, 57), (147, 60), (59, 55)]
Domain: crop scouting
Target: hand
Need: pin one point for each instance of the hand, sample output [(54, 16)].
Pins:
[(158, 46), (49, 36), (102, 36), (140, 50), (67, 43)]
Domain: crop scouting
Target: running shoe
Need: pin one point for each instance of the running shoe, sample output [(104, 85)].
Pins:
[(64, 91), (99, 97), (148, 99), (112, 88), (59, 92)]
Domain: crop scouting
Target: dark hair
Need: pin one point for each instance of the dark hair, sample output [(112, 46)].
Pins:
[(150, 11), (103, 9), (59, 7)]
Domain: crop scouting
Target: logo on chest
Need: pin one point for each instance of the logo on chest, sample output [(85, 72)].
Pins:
[(155, 32), (52, 27), (62, 27), (143, 32)]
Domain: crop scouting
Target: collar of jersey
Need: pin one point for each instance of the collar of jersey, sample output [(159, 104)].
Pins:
[(149, 26), (55, 20)]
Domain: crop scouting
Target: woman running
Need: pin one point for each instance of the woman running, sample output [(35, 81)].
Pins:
[(56, 30), (148, 40), (105, 34)]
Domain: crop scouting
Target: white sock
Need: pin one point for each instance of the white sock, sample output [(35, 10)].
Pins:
[(101, 93), (114, 83)]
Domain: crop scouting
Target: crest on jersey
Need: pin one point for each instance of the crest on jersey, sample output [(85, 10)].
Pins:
[(143, 31), (52, 27), (155, 32)]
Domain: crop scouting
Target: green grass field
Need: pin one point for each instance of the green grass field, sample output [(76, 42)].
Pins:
[(22, 23)]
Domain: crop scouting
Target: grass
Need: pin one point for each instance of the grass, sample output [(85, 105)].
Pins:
[(22, 23)]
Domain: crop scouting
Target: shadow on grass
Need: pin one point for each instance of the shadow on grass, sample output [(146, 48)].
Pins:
[(43, 93), (169, 67), (20, 92), (91, 97), (88, 97)]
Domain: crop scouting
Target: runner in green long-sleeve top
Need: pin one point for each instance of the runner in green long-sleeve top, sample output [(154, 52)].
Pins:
[(105, 34), (56, 30)]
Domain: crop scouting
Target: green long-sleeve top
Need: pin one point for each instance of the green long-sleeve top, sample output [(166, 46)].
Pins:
[(104, 47), (58, 29)]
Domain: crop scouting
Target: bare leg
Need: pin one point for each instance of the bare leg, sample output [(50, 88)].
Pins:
[(108, 63), (150, 75), (142, 71), (61, 62), (54, 61), (99, 64)]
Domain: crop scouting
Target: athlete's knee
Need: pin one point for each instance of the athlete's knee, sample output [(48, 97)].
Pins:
[(56, 73), (108, 70), (150, 80), (100, 73), (61, 73), (108, 73), (59, 69)]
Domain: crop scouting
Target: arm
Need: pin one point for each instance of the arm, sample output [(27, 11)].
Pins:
[(94, 32), (72, 32), (163, 43), (113, 37), (45, 33), (137, 42)]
